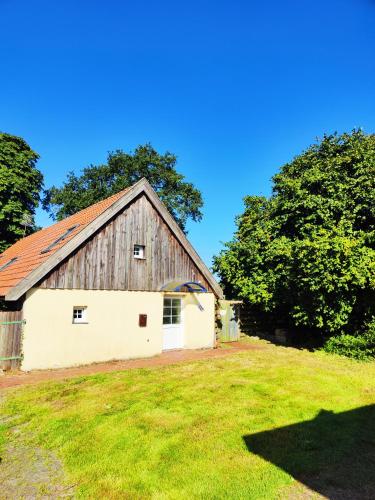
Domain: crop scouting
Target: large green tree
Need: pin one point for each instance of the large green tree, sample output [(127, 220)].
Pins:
[(123, 169), (305, 257), (20, 186)]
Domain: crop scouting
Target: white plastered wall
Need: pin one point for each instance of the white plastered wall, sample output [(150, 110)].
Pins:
[(51, 340), (199, 320)]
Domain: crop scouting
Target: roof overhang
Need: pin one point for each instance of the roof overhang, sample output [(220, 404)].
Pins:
[(137, 189)]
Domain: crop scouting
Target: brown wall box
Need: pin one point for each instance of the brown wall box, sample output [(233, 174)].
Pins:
[(142, 320)]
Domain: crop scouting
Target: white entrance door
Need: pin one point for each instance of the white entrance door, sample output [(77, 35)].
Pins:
[(173, 334)]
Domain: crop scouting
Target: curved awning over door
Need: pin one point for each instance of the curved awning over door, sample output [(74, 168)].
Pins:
[(184, 286)]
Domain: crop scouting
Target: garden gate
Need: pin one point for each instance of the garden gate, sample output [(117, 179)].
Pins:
[(229, 320)]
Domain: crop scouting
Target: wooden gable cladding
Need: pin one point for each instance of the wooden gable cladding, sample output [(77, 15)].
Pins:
[(106, 261)]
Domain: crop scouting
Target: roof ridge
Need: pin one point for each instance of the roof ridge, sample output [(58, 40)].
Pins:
[(100, 201), (86, 208)]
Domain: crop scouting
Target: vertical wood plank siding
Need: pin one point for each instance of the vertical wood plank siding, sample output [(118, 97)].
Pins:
[(10, 338), (106, 261)]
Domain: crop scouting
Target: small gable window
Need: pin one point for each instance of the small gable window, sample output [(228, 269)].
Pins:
[(79, 314), (139, 251), (60, 238)]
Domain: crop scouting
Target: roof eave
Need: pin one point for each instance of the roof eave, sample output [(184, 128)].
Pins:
[(141, 186)]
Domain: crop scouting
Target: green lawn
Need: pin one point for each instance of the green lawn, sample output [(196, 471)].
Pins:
[(244, 426)]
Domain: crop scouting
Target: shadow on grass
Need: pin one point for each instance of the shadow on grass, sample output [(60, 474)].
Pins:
[(333, 454)]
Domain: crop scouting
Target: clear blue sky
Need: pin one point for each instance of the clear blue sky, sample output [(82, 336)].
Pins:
[(233, 88)]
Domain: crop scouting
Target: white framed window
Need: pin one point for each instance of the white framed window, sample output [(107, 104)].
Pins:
[(139, 251), (172, 311), (79, 314)]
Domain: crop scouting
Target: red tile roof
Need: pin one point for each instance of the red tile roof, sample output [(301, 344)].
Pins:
[(27, 250)]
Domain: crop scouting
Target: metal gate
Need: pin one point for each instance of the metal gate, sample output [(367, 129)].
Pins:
[(229, 323), (10, 341)]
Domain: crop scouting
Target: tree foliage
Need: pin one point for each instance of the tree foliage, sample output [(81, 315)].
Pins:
[(305, 257), (361, 347), (20, 186), (122, 170)]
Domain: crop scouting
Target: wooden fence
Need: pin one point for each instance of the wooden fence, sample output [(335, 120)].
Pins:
[(11, 326)]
